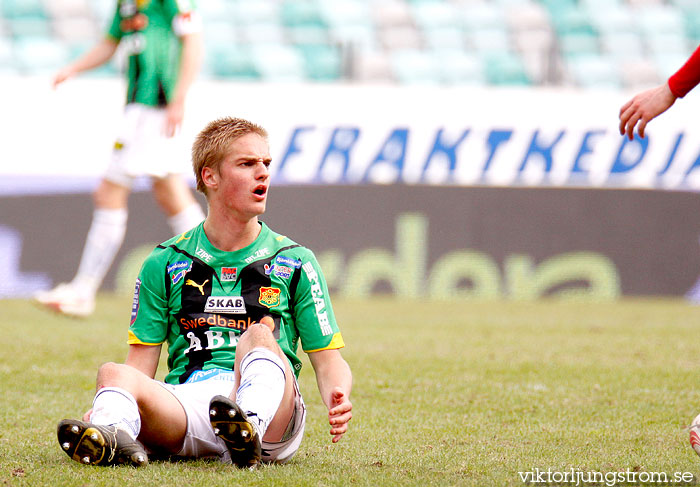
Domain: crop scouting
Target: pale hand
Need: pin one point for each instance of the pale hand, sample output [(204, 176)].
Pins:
[(643, 108), (339, 414)]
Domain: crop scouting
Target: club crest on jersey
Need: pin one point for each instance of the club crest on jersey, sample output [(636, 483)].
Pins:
[(225, 305), (178, 270), (269, 296), (229, 274)]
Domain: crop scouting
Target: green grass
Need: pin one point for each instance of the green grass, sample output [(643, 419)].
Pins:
[(445, 394)]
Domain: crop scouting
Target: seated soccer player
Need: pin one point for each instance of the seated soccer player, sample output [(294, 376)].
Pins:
[(232, 300)]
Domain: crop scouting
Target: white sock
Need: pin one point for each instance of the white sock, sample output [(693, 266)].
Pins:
[(114, 406), (262, 387), (187, 219), (101, 246)]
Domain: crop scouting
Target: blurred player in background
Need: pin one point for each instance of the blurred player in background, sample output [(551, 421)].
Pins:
[(649, 104), (232, 300), (164, 46)]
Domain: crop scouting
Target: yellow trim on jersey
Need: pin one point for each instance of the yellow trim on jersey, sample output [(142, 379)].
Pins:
[(134, 340), (336, 343)]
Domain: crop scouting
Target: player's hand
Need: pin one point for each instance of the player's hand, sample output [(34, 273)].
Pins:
[(174, 113), (643, 108), (61, 76), (339, 414)]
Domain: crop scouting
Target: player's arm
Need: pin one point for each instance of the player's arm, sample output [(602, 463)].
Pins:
[(97, 56), (192, 56), (144, 358), (687, 77), (334, 381)]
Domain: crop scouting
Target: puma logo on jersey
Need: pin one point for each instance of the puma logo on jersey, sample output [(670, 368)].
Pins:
[(190, 282), (182, 237)]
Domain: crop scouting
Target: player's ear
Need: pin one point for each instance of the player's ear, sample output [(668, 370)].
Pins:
[(210, 177)]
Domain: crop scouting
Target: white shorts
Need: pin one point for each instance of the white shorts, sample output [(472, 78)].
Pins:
[(142, 149), (200, 440)]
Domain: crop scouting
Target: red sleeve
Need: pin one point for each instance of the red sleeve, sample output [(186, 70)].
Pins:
[(687, 77)]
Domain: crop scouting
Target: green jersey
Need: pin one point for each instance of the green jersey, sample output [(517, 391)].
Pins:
[(199, 299), (149, 31)]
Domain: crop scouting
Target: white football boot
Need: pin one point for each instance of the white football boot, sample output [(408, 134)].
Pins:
[(67, 300)]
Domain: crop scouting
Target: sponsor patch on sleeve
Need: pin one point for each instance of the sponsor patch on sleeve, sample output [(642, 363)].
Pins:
[(178, 270), (135, 303)]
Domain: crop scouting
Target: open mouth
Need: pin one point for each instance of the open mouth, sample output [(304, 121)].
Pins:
[(260, 190)]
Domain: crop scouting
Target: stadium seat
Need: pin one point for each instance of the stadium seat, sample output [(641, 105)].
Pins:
[(578, 44), (399, 37), (390, 12), (103, 11), (58, 9), (215, 9), (482, 16), (278, 63), (307, 35), (434, 15), (221, 32), (322, 62), (40, 55), (613, 20), (472, 41), (599, 5), (505, 69), (444, 37), (232, 62), (638, 74), (264, 32), (21, 27), (489, 40), (361, 37), (658, 19), (692, 26), (623, 45), (351, 12), (667, 64), (594, 72), (75, 29), (668, 44), (12, 9), (301, 12), (457, 67), (414, 66), (573, 21), (243, 12)]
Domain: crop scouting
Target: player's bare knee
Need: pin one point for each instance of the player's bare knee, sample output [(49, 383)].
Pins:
[(108, 373), (258, 335)]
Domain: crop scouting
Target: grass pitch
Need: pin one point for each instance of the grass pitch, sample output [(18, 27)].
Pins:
[(449, 393)]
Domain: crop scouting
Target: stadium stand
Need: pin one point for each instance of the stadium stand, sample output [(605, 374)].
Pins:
[(580, 43)]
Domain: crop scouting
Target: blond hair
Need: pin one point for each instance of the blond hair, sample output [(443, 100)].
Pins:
[(212, 144)]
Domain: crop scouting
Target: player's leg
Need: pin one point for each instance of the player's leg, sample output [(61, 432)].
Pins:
[(129, 409), (102, 243), (177, 202), (262, 402)]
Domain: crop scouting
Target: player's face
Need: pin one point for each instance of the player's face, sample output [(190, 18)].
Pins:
[(244, 176)]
